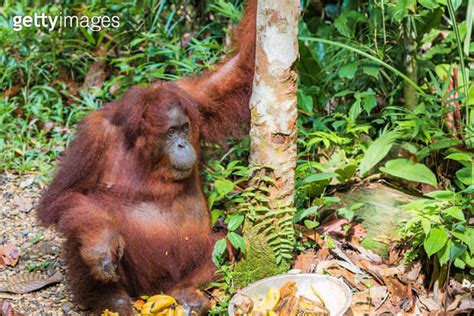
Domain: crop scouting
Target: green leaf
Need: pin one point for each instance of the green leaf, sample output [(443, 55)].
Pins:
[(302, 214), (235, 222), (346, 173), (341, 25), (400, 11), (426, 225), (441, 195), (460, 264), (465, 175), (348, 70), (469, 189), (456, 213), (466, 237), (435, 241), (451, 251), (429, 4), (377, 151), (224, 186), (371, 71), (311, 224), (218, 252), (236, 240), (468, 259), (319, 177), (460, 157), (347, 213), (356, 108), (370, 102), (410, 170), (305, 102), (215, 214)]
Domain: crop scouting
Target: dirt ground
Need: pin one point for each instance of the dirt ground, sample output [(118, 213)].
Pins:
[(40, 248)]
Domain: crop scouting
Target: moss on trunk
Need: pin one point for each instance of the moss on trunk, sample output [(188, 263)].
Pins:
[(260, 261)]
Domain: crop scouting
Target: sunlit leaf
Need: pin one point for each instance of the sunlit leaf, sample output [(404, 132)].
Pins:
[(435, 241), (410, 170), (377, 151)]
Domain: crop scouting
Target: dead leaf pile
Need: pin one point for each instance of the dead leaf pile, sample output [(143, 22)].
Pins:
[(379, 285)]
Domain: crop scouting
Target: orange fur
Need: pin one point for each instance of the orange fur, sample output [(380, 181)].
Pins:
[(130, 228)]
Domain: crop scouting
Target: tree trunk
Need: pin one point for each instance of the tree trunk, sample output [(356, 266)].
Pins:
[(411, 69), (273, 102), (273, 134)]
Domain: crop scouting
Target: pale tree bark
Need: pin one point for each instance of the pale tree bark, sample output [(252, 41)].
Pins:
[(273, 104), (273, 134)]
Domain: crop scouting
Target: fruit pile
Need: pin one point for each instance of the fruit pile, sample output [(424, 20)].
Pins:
[(161, 305), (281, 302), (156, 305)]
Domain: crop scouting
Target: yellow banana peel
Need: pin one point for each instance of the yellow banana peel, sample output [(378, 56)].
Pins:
[(271, 300)]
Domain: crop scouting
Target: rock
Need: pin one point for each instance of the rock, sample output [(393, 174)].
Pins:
[(24, 205), (45, 295), (25, 232), (66, 307), (27, 182), (6, 212), (381, 213)]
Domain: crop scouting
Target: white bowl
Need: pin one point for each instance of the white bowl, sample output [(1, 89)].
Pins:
[(335, 294)]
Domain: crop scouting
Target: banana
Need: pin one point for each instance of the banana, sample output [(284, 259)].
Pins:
[(162, 305), (162, 300), (159, 303), (109, 313), (179, 310), (146, 309), (271, 300)]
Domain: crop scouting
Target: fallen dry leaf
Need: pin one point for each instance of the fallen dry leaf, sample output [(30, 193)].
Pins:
[(9, 256), (412, 275), (467, 304), (346, 275), (6, 309), (27, 182), (378, 296), (24, 205), (395, 252), (429, 303), (8, 296), (357, 233), (360, 304), (455, 303), (44, 248), (399, 293), (306, 261), (13, 91), (334, 227), (29, 282)]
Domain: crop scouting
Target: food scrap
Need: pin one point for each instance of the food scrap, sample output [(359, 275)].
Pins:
[(281, 302), (156, 305), (161, 305)]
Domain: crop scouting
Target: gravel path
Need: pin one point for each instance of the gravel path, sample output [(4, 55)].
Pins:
[(39, 248)]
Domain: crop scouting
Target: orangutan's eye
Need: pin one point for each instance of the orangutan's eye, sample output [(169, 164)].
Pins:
[(186, 128), (171, 132)]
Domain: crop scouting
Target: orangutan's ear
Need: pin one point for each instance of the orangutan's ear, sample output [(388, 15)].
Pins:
[(133, 106)]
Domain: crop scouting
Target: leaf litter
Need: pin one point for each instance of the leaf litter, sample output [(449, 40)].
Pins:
[(380, 285)]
